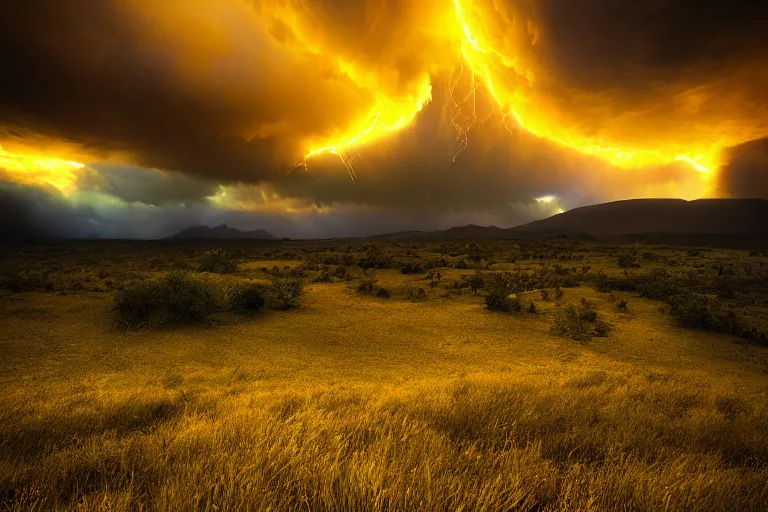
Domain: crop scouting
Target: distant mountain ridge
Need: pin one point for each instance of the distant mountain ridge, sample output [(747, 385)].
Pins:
[(220, 232), (731, 217)]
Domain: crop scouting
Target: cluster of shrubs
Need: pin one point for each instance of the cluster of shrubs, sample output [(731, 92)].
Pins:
[(178, 298), (368, 287), (501, 292), (414, 293), (696, 303), (331, 259), (217, 260), (411, 267), (579, 323), (628, 260), (376, 258)]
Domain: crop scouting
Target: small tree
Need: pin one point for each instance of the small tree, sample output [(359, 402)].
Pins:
[(499, 288), (287, 292), (476, 282)]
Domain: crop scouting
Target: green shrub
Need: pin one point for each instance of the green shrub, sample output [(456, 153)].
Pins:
[(15, 282), (411, 268), (476, 282), (601, 329), (587, 312), (628, 260), (532, 308), (217, 260), (323, 277), (579, 324), (172, 299), (247, 297), (622, 306), (499, 289), (414, 293), (569, 324), (286, 293), (383, 293), (700, 312), (366, 286)]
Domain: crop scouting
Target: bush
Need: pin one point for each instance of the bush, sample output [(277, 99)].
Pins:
[(247, 297), (217, 260), (366, 286), (499, 288), (601, 329), (476, 282), (324, 277), (383, 293), (569, 324), (532, 308), (174, 298), (411, 268), (340, 272), (628, 260), (16, 282), (623, 306), (375, 258), (287, 292), (579, 324), (461, 265), (414, 293), (698, 312), (587, 312)]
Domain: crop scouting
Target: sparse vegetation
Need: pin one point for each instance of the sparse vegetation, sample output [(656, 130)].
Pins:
[(366, 286), (247, 297), (579, 323), (217, 260), (287, 292), (500, 290), (356, 403), (172, 299)]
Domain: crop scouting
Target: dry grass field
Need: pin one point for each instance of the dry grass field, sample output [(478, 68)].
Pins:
[(420, 401)]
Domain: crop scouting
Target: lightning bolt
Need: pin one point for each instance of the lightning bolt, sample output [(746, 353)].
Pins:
[(477, 59)]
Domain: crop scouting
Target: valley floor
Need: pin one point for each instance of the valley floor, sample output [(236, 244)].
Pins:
[(359, 403)]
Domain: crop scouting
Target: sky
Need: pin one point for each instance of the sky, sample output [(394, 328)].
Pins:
[(334, 118)]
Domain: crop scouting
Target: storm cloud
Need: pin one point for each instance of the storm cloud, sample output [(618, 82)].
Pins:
[(413, 113)]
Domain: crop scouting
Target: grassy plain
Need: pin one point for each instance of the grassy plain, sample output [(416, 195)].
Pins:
[(355, 402)]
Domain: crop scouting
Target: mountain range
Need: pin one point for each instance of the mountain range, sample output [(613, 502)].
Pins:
[(220, 232), (727, 222)]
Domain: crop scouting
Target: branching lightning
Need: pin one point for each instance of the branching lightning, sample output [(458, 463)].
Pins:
[(478, 63)]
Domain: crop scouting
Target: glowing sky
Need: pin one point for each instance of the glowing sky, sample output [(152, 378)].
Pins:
[(331, 117)]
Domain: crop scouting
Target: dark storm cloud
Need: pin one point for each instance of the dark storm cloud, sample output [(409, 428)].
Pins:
[(32, 212), (607, 42), (148, 186), (745, 173), (28, 212), (200, 94), (231, 103)]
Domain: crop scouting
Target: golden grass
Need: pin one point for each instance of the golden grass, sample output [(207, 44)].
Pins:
[(359, 403)]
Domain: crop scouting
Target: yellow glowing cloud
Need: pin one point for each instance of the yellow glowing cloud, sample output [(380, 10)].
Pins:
[(321, 79), (36, 168), (513, 87), (499, 58)]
